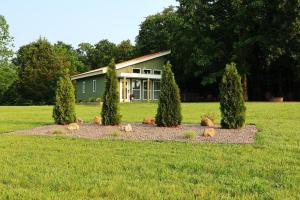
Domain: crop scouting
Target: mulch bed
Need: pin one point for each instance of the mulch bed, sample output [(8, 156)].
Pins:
[(245, 135)]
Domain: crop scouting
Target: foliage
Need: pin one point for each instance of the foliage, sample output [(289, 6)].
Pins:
[(209, 115), (190, 134), (116, 133), (64, 107), (124, 51), (58, 132), (231, 99), (8, 72), (110, 107), (156, 32), (69, 56), (100, 54), (40, 65), (169, 109)]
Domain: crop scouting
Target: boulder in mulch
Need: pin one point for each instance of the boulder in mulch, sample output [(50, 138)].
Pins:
[(127, 128), (209, 132), (149, 121), (97, 120), (73, 126), (205, 121)]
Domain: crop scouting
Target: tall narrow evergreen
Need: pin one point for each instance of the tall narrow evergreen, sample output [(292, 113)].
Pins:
[(110, 107), (169, 109), (232, 103), (64, 107)]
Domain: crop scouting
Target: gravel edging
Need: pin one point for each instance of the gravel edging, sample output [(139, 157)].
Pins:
[(245, 135)]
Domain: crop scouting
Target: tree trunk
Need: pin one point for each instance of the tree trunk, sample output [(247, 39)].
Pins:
[(245, 87)]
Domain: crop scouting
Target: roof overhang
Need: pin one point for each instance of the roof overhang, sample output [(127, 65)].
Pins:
[(121, 65), (135, 75)]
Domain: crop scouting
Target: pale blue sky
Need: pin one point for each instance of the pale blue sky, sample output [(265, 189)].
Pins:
[(76, 21)]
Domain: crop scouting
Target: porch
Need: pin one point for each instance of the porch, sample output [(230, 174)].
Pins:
[(138, 87)]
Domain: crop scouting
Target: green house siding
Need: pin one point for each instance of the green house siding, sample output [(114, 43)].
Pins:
[(89, 94), (156, 63)]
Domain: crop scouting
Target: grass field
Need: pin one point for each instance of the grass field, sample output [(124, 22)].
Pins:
[(40, 167)]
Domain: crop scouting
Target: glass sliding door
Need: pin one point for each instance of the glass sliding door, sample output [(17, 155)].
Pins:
[(136, 89), (156, 89), (145, 90)]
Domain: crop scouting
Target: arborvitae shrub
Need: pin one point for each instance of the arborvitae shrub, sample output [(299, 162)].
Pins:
[(169, 109), (64, 107), (232, 103), (110, 107)]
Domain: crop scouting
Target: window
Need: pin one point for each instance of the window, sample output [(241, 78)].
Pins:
[(94, 86), (136, 70), (136, 89), (147, 71), (83, 87), (156, 89), (157, 72)]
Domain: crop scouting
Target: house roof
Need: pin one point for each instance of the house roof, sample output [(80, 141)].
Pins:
[(121, 65)]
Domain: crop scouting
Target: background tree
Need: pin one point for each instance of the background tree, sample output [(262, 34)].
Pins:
[(8, 72), (86, 53), (64, 106), (104, 52), (231, 99), (40, 65), (69, 56), (169, 109), (110, 107), (125, 51), (156, 31)]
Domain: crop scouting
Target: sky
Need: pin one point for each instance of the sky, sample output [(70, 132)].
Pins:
[(77, 21)]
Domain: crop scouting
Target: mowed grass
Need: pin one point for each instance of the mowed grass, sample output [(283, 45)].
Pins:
[(40, 167)]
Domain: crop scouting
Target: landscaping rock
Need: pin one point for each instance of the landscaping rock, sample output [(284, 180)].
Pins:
[(149, 121), (206, 122), (127, 128), (73, 126), (79, 121), (97, 120), (209, 132)]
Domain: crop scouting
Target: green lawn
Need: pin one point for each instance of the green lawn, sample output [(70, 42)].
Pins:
[(40, 167)]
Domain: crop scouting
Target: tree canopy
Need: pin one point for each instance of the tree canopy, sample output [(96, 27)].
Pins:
[(8, 72)]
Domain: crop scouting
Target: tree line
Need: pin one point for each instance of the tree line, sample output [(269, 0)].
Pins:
[(262, 37)]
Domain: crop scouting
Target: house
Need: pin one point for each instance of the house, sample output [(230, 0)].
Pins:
[(138, 79)]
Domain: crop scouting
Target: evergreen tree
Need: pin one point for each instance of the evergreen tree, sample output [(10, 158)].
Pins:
[(169, 109), (64, 108), (231, 98), (110, 107)]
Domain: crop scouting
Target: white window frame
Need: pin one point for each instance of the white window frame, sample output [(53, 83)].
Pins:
[(83, 87), (138, 69), (158, 70), (154, 89), (94, 86), (147, 69)]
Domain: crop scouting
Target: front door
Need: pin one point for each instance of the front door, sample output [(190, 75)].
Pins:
[(126, 97)]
